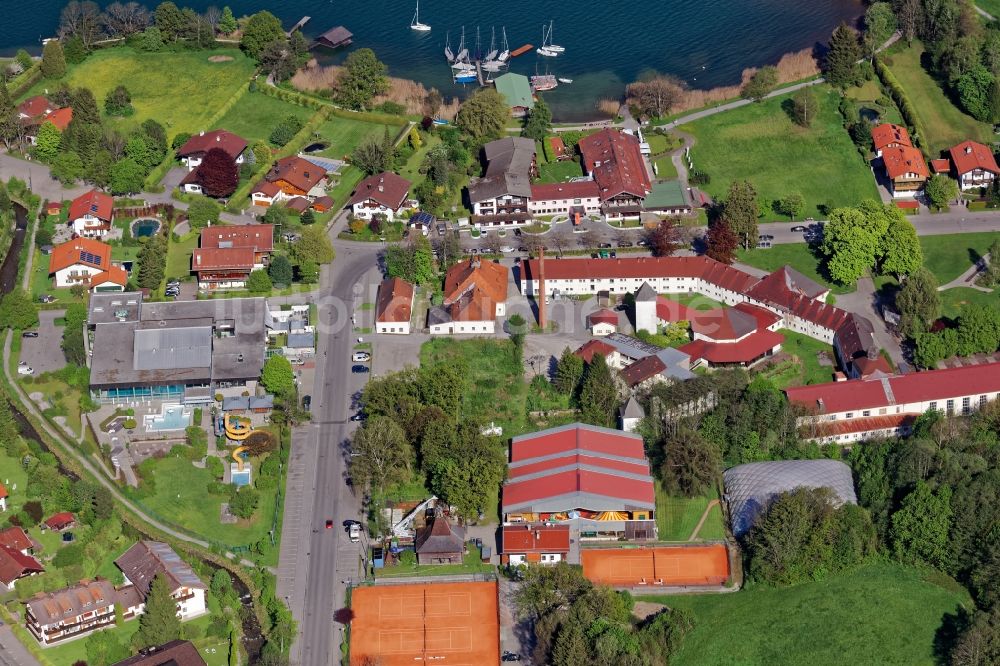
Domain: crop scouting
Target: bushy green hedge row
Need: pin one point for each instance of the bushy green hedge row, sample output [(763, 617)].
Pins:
[(903, 102)]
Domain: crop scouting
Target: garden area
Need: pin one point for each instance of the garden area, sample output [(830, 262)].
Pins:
[(343, 135), (945, 124), (472, 563), (950, 255), (881, 613), (255, 115), (799, 256), (761, 142), (804, 367), (677, 517), (559, 172)]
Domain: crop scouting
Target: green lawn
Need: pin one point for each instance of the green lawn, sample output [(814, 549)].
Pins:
[(15, 479), (179, 256), (761, 143), (713, 528), (943, 122), (65, 400), (676, 517), (346, 181), (695, 301), (472, 563), (797, 255), (559, 172), (181, 91), (879, 614), (345, 134), (868, 95), (807, 369), (990, 6), (951, 255), (256, 114), (953, 300)]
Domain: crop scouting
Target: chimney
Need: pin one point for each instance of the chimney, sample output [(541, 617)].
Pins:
[(540, 296), (218, 138), (968, 149), (201, 133)]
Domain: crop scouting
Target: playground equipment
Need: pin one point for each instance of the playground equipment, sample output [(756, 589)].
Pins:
[(237, 428)]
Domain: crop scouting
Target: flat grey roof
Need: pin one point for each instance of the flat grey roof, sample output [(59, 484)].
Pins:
[(113, 307), (301, 340), (169, 348)]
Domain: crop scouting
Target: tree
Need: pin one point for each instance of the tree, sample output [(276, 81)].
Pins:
[(82, 20), (17, 311), (483, 116), (538, 124), (655, 97), (227, 22), (127, 177), (880, 23), (979, 643), (260, 30), (842, 57), (721, 243), (792, 205), (569, 372), (691, 465), (125, 19), (261, 153), (243, 502), (118, 102), (151, 40), (804, 107), (380, 454), (664, 239), (276, 215), (285, 131), (307, 217), (919, 530), (364, 77), (465, 478), (152, 262), (280, 270), (373, 157), (978, 329), (74, 51), (740, 209), (104, 649), (67, 167), (53, 61), (170, 20), (571, 646), (598, 394), (278, 60), (277, 377), (849, 244), (258, 282), (975, 92), (941, 189), (203, 212), (308, 272), (47, 142), (900, 247), (11, 126), (918, 302), (760, 84), (159, 623), (24, 59), (219, 173), (314, 246)]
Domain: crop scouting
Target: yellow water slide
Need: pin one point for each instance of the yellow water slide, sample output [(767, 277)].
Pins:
[(238, 458), (237, 429)]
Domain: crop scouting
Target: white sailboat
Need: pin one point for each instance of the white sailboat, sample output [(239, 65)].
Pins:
[(505, 53), (448, 53), (555, 48), (544, 48), (463, 53), (493, 46), (415, 24)]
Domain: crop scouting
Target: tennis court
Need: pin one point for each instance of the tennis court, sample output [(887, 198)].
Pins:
[(455, 624), (666, 566)]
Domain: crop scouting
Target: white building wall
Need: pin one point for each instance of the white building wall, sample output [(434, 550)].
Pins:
[(602, 329), (464, 327), (71, 275), (365, 210), (82, 226), (192, 607), (645, 316), (393, 327), (555, 206)]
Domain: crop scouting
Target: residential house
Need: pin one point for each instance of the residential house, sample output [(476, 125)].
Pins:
[(114, 279), (575, 199), (322, 204), (174, 653), (17, 539), (641, 363), (384, 194), (502, 195), (516, 90), (591, 478), (849, 411), (15, 565), (614, 161), (60, 522), (290, 177), (194, 149), (3, 497), (36, 111), (591, 347), (475, 295), (603, 322), (667, 197), (973, 165), (71, 612), (147, 559), (531, 543), (394, 306), (888, 135), (90, 214), (440, 542), (906, 170), (228, 254), (77, 261)]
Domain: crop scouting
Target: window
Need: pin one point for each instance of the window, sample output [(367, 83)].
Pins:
[(950, 407), (965, 406), (882, 411), (982, 401), (933, 404), (849, 415), (867, 412)]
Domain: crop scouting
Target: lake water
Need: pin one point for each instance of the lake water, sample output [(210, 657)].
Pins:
[(608, 43)]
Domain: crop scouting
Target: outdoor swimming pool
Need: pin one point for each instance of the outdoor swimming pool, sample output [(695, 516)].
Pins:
[(145, 226), (171, 417)]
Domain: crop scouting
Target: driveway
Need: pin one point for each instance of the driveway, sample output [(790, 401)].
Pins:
[(865, 301), (12, 653), (44, 353), (516, 635)]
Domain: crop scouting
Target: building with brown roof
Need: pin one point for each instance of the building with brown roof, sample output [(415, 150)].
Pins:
[(384, 194), (174, 653), (58, 522), (15, 565), (906, 170), (194, 149), (501, 196), (475, 295), (440, 542), (78, 260), (602, 322), (888, 135), (229, 253), (575, 199), (290, 177), (973, 165), (394, 306), (614, 160), (16, 538), (36, 111), (534, 543), (147, 559), (71, 612), (90, 214)]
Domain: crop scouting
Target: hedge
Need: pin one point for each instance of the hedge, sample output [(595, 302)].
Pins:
[(310, 101), (23, 81), (903, 102)]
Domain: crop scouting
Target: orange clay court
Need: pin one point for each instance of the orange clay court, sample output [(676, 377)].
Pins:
[(453, 624), (669, 565)]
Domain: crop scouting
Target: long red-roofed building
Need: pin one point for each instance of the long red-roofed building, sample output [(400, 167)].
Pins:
[(849, 411), (595, 478)]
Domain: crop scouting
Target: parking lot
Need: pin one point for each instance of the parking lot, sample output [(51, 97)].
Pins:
[(44, 353)]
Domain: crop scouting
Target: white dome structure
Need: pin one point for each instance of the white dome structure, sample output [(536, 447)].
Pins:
[(750, 488)]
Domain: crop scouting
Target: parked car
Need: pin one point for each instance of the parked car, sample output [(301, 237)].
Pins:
[(473, 251), (510, 656), (642, 243), (624, 244), (24, 369), (361, 357), (354, 532), (613, 254), (329, 524), (441, 229), (605, 246), (798, 227), (307, 402), (359, 369), (47, 298), (506, 249), (517, 232), (360, 416), (30, 334)]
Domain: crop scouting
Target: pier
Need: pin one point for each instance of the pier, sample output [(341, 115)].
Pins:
[(479, 72), (521, 51), (298, 26)]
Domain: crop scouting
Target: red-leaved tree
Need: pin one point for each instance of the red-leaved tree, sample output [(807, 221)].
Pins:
[(721, 242), (218, 173), (664, 239)]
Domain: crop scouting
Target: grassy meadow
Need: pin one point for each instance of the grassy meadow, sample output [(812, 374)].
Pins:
[(256, 114)]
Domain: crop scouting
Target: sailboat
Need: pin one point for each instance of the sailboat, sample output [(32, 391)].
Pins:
[(463, 53), (544, 48), (415, 24), (493, 46), (448, 53), (555, 48), (505, 53)]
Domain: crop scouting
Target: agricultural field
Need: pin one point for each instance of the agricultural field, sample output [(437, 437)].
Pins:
[(761, 143), (180, 103)]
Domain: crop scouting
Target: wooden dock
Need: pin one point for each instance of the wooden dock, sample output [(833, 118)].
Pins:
[(298, 26), (479, 73), (521, 51)]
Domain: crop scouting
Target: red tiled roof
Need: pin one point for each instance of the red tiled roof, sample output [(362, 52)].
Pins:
[(267, 188), (35, 107), (578, 436), (707, 269), (603, 316), (643, 369), (862, 425), (395, 301), (223, 258), (723, 323), (940, 166), (591, 347), (14, 565), (623, 489), (258, 237), (16, 538), (616, 162), (297, 172), (584, 189), (202, 143), (969, 156), (95, 203), (744, 351), (60, 519), (764, 317), (486, 276), (901, 160), (386, 188), (86, 251), (60, 118), (3, 491), (298, 204), (869, 366), (887, 134), (323, 202), (899, 390), (536, 538), (556, 461), (114, 275)]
